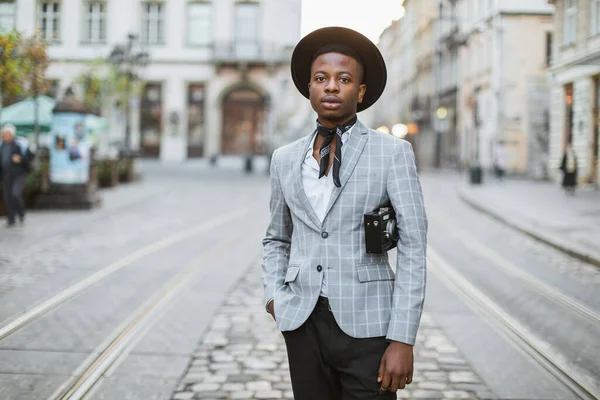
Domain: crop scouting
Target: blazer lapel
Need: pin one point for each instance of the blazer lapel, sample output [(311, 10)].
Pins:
[(298, 186), (353, 148)]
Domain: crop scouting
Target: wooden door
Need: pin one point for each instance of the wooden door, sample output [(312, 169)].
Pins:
[(151, 114), (196, 129), (243, 123)]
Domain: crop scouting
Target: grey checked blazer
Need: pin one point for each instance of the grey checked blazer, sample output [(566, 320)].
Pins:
[(366, 299)]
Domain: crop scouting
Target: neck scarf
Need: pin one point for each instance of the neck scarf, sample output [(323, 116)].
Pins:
[(329, 134)]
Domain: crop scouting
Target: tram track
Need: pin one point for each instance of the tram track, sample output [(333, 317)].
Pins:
[(12, 325), (125, 336), (582, 386), (550, 292)]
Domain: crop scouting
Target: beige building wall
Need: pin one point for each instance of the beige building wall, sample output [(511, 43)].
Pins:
[(524, 65), (407, 46), (503, 76)]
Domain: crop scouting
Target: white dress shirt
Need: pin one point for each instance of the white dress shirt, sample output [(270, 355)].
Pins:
[(318, 190)]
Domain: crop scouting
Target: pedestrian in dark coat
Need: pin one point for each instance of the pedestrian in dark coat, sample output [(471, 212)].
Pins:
[(13, 170), (569, 168)]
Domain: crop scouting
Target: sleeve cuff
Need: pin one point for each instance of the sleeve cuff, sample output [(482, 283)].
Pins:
[(267, 306)]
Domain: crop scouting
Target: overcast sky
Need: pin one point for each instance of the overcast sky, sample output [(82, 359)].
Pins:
[(369, 17)]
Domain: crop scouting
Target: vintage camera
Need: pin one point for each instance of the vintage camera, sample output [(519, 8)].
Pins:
[(381, 230)]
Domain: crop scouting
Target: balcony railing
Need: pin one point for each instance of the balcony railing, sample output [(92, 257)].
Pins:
[(251, 52)]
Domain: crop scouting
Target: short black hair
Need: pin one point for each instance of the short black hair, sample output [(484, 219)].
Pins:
[(341, 49)]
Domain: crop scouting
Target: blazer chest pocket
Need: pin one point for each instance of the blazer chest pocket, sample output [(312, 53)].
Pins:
[(363, 175), (374, 272), (291, 274)]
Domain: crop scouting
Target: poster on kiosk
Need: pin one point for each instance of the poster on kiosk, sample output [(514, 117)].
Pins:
[(69, 149)]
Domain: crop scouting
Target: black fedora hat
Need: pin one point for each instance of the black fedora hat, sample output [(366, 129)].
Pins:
[(376, 73)]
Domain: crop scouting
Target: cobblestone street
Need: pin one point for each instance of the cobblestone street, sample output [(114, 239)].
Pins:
[(243, 356), (149, 282)]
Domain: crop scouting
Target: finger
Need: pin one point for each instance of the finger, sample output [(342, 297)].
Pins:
[(409, 379), (396, 381), (402, 382), (381, 371), (386, 381)]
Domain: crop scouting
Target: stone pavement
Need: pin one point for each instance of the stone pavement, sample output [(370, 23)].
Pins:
[(242, 356), (544, 211)]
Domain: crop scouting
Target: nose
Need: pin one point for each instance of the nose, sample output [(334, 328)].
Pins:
[(332, 86)]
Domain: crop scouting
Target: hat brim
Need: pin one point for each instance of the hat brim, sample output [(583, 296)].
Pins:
[(370, 54)]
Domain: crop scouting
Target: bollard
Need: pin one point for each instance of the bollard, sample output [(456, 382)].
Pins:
[(475, 174), (248, 164)]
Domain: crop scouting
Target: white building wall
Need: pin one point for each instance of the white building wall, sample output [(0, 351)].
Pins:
[(570, 67), (174, 64)]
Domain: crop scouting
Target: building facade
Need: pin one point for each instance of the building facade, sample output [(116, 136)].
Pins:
[(448, 42), (575, 93), (503, 85), (407, 47), (218, 74), (472, 75)]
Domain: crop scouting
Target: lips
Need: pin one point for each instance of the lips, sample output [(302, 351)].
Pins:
[(331, 102)]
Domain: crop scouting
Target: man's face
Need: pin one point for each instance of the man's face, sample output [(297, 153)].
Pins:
[(7, 137), (335, 88)]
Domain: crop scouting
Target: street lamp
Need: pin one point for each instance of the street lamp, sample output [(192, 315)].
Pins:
[(400, 130), (383, 129), (128, 62)]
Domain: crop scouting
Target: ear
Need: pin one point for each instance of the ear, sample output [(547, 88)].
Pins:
[(361, 92)]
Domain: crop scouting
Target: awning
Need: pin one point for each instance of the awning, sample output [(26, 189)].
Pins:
[(22, 114)]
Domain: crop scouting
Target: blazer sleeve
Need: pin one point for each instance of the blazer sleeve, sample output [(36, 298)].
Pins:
[(406, 195), (278, 238)]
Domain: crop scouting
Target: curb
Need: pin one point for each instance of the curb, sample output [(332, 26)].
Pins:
[(570, 248)]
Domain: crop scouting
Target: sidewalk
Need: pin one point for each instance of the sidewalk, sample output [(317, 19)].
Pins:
[(243, 356), (544, 211)]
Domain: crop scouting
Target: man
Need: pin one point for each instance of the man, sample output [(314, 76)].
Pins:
[(13, 169), (348, 321)]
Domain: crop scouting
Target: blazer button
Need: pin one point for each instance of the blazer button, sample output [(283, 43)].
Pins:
[(319, 268), (324, 235)]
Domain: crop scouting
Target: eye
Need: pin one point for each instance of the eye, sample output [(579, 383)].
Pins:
[(320, 79), (345, 80)]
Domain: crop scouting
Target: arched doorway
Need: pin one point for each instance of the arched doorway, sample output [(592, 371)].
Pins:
[(244, 117)]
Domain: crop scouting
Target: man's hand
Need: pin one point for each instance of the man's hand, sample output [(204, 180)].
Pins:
[(396, 367), (16, 159), (272, 308)]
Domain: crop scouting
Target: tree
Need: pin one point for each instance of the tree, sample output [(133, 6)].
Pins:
[(103, 81), (122, 85), (35, 61), (12, 70), (93, 81)]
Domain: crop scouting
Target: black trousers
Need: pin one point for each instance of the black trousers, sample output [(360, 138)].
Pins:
[(327, 364), (12, 188)]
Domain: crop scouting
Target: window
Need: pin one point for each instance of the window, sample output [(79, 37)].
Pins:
[(570, 28), (246, 29), (95, 22), (595, 15), (49, 20), (7, 15), (199, 24), (153, 24), (548, 48)]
